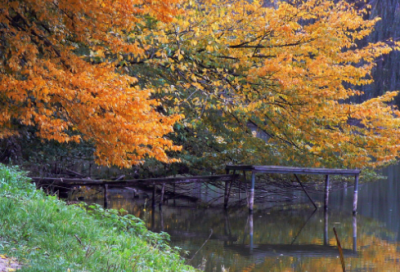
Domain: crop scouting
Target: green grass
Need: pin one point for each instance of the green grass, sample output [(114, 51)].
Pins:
[(45, 234)]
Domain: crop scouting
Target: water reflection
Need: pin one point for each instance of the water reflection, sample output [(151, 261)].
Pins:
[(295, 239)]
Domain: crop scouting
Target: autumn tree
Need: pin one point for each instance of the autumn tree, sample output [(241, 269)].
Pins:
[(289, 69), (49, 80), (98, 70)]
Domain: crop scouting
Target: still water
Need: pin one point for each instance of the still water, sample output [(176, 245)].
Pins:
[(286, 238)]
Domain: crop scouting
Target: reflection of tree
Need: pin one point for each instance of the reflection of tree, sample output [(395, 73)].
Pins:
[(376, 255)]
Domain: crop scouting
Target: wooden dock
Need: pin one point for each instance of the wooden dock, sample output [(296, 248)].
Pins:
[(229, 179), (154, 182), (264, 169)]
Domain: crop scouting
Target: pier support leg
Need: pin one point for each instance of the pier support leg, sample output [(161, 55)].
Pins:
[(153, 201), (251, 201), (240, 188), (105, 196), (326, 197), (355, 197), (245, 188), (228, 188), (226, 197), (174, 194), (162, 195)]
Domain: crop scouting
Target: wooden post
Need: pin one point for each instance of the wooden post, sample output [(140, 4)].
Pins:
[(253, 182), (228, 189), (326, 198), (226, 192), (245, 188), (226, 196), (153, 202), (162, 195), (105, 187), (174, 195), (355, 197), (240, 187)]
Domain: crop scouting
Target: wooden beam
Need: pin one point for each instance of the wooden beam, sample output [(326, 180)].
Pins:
[(86, 182), (294, 170)]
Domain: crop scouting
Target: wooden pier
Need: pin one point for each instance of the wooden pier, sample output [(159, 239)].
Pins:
[(154, 182), (264, 169), (229, 179)]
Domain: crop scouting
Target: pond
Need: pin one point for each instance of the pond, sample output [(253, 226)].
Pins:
[(286, 238)]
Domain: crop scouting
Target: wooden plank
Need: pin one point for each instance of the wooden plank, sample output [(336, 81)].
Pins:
[(293, 170)]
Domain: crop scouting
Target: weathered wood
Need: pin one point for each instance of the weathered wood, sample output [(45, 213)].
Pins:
[(226, 192), (105, 187), (304, 189), (153, 201), (83, 182), (355, 197), (162, 194), (174, 194), (245, 188), (326, 195), (228, 187), (226, 197), (293, 170), (251, 200), (340, 250)]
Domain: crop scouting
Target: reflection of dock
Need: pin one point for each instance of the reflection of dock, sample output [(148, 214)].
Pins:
[(272, 250), (293, 250)]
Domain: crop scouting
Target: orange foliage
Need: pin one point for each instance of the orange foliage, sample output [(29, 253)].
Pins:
[(46, 81), (291, 69)]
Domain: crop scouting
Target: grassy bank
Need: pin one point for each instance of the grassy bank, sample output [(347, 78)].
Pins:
[(45, 234)]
